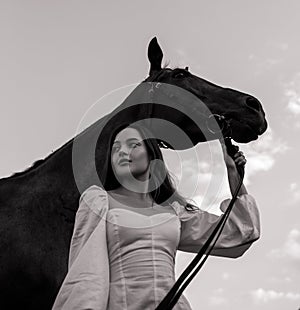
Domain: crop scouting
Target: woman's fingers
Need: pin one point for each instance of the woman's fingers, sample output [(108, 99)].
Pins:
[(239, 153), (239, 158), (241, 162)]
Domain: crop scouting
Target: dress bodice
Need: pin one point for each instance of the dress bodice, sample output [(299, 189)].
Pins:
[(142, 244)]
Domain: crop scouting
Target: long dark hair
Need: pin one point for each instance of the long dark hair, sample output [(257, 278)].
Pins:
[(164, 191)]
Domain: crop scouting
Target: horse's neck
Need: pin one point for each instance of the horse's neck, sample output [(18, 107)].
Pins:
[(45, 177), (55, 174), (67, 169)]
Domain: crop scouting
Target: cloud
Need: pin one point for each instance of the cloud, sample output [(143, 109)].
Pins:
[(183, 58), (292, 95), (200, 173), (293, 101), (225, 275), (262, 154), (292, 245), (290, 248), (263, 296), (217, 298), (283, 46), (280, 279), (274, 56), (294, 189), (261, 64), (190, 174)]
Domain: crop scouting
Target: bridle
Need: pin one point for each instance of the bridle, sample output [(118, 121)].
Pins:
[(198, 261)]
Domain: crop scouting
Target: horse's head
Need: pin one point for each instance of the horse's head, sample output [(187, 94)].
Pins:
[(178, 107), (243, 112)]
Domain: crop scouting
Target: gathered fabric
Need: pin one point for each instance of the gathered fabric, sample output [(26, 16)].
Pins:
[(86, 285)]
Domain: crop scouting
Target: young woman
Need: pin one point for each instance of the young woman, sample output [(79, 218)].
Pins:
[(127, 233)]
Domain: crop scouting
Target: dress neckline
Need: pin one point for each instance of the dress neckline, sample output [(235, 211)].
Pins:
[(126, 205)]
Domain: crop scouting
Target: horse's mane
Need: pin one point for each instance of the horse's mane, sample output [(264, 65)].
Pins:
[(37, 163), (40, 162), (166, 64)]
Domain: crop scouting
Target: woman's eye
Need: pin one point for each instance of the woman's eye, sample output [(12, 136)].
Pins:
[(134, 144), (115, 148)]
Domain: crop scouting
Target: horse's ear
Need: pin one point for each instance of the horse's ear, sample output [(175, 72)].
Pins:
[(155, 56)]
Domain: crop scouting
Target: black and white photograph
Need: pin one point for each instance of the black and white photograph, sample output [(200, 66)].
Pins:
[(149, 155)]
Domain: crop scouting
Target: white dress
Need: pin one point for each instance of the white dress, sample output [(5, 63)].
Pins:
[(141, 249)]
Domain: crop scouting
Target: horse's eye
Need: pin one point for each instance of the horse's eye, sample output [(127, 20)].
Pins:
[(179, 75)]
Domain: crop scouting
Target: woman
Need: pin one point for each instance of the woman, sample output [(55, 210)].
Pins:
[(146, 222)]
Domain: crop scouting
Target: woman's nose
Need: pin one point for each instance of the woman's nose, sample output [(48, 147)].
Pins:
[(123, 152)]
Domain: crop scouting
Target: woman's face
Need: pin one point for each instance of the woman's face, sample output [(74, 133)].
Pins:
[(129, 155)]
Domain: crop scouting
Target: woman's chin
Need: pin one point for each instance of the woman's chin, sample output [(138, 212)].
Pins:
[(128, 174)]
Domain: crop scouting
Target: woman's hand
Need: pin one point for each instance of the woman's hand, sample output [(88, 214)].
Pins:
[(231, 165), (237, 160)]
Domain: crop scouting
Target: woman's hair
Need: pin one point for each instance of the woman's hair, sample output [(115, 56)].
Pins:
[(163, 188)]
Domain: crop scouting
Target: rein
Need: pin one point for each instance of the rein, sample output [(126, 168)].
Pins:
[(198, 261), (196, 264)]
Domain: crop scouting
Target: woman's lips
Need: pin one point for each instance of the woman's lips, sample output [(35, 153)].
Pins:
[(124, 162)]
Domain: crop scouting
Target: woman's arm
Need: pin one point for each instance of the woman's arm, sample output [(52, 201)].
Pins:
[(242, 228), (86, 285), (232, 172)]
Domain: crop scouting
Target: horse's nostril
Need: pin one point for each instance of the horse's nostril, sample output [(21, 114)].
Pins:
[(253, 103)]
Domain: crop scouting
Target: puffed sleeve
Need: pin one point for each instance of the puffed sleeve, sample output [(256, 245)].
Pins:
[(86, 285), (242, 227), (92, 208)]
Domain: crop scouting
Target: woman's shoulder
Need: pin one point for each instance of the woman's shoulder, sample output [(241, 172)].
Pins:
[(184, 211), (94, 197), (93, 190)]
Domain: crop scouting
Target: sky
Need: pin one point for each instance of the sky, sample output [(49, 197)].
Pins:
[(60, 59)]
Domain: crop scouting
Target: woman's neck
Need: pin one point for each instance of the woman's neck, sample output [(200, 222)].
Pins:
[(135, 186), (136, 195), (140, 196)]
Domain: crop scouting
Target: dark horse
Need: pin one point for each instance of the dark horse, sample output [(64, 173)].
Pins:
[(38, 205)]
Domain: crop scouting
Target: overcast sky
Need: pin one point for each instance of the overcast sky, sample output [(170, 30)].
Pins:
[(58, 58)]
